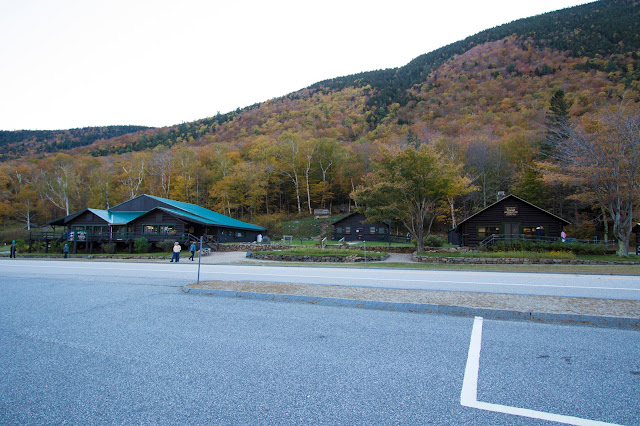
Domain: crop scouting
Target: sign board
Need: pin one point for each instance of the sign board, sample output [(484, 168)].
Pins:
[(510, 211), (318, 213)]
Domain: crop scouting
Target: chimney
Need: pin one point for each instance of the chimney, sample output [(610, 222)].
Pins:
[(501, 195)]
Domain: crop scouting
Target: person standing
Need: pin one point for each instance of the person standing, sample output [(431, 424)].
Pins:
[(176, 252), (192, 249), (65, 250), (12, 252), (563, 235)]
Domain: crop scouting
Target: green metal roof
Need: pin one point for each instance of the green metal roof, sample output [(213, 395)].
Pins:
[(122, 218), (102, 214), (187, 216), (188, 211), (211, 217), (116, 218)]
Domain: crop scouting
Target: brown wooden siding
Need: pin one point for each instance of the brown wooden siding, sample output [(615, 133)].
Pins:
[(511, 212), (359, 229)]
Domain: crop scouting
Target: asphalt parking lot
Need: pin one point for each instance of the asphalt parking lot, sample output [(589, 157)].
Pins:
[(89, 348)]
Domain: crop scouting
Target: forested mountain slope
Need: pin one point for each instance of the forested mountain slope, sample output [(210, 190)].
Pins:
[(482, 102), (21, 143)]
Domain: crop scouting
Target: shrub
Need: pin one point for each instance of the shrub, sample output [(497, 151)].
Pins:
[(22, 245), (542, 246), (433, 241), (56, 247), (166, 245), (14, 234), (109, 248), (141, 245), (36, 246)]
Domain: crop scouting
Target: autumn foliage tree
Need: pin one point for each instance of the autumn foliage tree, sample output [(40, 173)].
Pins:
[(412, 186), (602, 155)]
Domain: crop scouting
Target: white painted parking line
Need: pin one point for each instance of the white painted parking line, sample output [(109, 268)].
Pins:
[(469, 393)]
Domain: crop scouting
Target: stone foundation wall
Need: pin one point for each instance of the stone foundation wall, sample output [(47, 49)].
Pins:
[(512, 261), (300, 258), (277, 246)]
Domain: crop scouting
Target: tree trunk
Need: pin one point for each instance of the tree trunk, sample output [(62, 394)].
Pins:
[(605, 223), (622, 225), (306, 175), (453, 213)]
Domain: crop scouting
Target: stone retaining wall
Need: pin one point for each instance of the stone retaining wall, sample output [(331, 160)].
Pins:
[(301, 258), (277, 246), (513, 261)]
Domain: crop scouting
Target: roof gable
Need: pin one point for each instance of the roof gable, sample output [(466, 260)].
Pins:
[(510, 197), (346, 217), (213, 218)]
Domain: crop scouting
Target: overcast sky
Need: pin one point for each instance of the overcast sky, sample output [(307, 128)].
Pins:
[(78, 63)]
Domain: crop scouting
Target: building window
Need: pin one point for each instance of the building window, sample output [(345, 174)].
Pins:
[(338, 230), (485, 231), (347, 229), (121, 229), (372, 230), (99, 230), (382, 231), (240, 234), (159, 229), (168, 229), (150, 229)]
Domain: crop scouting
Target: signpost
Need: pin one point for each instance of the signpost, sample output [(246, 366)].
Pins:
[(199, 257)]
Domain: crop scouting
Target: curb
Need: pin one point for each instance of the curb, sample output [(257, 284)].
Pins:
[(421, 308)]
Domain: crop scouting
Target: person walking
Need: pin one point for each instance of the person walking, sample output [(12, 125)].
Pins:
[(192, 249), (65, 250), (176, 252), (12, 252)]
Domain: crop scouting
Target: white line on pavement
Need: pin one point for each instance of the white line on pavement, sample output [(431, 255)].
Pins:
[(469, 392)]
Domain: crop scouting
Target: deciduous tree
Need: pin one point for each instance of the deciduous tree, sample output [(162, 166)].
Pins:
[(602, 155), (412, 186)]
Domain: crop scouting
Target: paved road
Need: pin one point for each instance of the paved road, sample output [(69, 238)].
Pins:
[(90, 344), (595, 286)]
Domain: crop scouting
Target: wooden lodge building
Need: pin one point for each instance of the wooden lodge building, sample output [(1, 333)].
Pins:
[(354, 227), (157, 219), (509, 218)]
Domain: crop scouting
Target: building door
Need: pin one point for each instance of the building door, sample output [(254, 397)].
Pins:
[(511, 231)]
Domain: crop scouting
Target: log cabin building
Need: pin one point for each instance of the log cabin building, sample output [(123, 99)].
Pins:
[(354, 227), (156, 219), (509, 218)]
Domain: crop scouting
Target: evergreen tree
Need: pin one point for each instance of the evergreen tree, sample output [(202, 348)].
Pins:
[(557, 124)]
